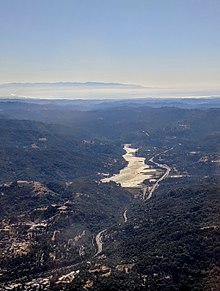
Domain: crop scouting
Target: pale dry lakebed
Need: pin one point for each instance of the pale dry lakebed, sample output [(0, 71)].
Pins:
[(134, 173)]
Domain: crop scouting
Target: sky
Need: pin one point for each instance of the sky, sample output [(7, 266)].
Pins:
[(155, 43)]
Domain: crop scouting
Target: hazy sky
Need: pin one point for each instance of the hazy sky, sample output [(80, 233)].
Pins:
[(157, 43)]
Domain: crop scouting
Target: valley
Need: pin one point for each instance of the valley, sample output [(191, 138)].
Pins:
[(134, 173), (87, 201)]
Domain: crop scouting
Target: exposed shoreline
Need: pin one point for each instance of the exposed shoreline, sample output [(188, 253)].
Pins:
[(134, 173)]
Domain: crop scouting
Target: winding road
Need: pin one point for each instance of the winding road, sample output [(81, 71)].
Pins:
[(125, 215), (130, 151), (99, 242), (164, 176)]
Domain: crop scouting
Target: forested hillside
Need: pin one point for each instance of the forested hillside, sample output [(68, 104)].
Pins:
[(63, 228)]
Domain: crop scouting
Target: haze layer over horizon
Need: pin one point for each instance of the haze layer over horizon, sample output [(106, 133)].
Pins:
[(97, 90)]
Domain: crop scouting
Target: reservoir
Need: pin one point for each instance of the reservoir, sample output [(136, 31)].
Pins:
[(134, 173)]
